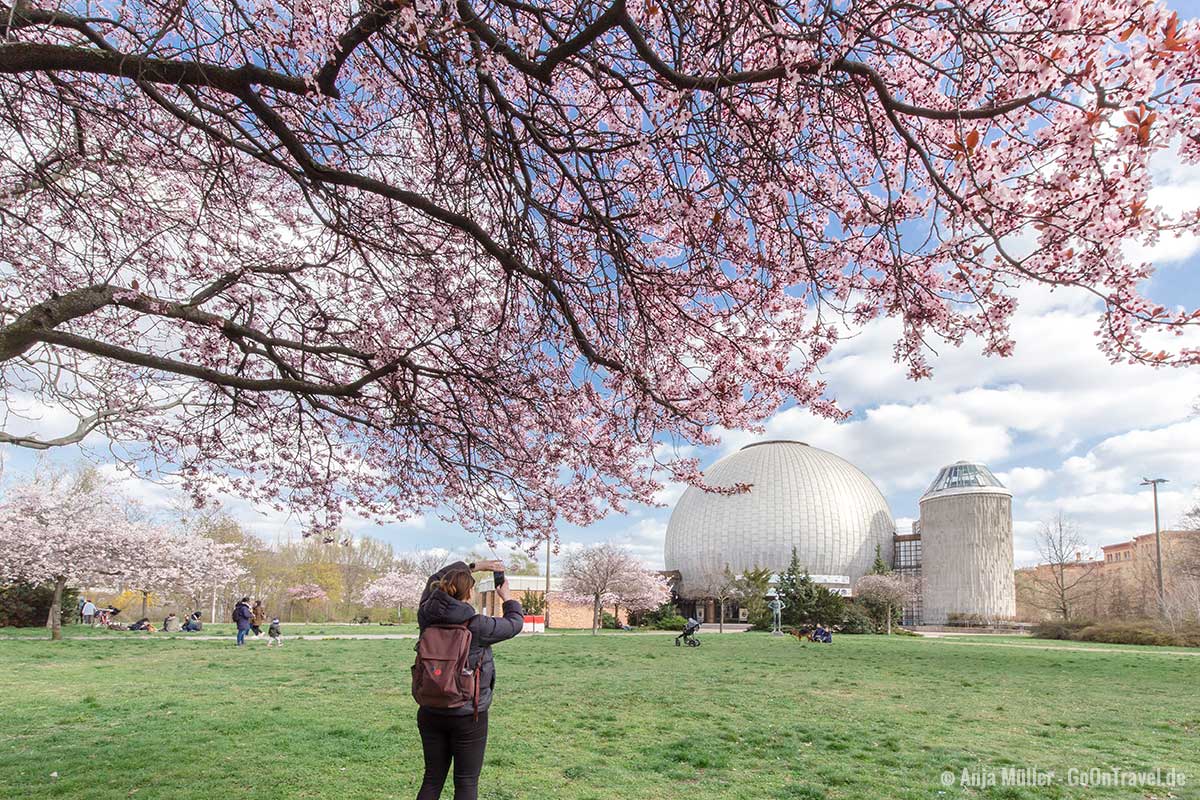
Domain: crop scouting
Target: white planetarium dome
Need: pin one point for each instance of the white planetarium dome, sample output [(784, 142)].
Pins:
[(801, 496)]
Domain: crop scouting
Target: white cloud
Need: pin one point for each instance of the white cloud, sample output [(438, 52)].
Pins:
[(1023, 480), (898, 446)]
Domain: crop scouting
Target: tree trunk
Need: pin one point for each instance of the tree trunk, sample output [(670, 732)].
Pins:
[(595, 614), (145, 602), (54, 622), (720, 616), (888, 609), (214, 604)]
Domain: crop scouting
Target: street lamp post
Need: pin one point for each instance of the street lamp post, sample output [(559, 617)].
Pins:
[(1162, 597), (546, 596)]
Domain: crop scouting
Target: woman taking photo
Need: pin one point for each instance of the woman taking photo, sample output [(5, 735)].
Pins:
[(453, 713)]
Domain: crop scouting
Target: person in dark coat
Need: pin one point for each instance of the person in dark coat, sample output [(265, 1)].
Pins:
[(242, 616), (193, 623), (258, 615), (459, 735)]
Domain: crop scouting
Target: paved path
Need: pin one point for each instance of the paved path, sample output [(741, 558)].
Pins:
[(1071, 648)]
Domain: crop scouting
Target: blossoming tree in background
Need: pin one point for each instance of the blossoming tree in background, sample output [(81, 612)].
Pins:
[(486, 256), (209, 568), (67, 531), (643, 590), (395, 589), (606, 575), (307, 593), (888, 593)]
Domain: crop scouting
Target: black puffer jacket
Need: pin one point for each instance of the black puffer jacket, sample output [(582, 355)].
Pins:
[(439, 608)]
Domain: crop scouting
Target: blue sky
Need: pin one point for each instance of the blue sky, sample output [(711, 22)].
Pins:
[(1061, 426)]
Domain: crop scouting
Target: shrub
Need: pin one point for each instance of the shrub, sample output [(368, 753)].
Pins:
[(26, 606), (607, 620), (672, 623), (856, 620), (653, 619), (1147, 632), (533, 602), (1126, 633), (1057, 629), (761, 622)]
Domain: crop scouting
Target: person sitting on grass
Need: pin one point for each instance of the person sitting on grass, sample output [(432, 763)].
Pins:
[(142, 624), (274, 634), (171, 624), (193, 623)]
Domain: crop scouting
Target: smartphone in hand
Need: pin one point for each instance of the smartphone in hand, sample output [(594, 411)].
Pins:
[(497, 579)]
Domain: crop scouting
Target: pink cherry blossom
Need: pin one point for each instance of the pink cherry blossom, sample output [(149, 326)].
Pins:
[(397, 589), (487, 258), (307, 591), (76, 533)]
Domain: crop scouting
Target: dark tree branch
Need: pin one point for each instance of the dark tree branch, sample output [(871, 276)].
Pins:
[(22, 57)]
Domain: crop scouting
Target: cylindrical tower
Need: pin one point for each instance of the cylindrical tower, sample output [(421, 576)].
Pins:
[(967, 546)]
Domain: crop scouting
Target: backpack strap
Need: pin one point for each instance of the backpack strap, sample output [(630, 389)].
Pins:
[(477, 671)]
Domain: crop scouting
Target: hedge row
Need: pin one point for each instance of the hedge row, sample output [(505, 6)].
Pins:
[(1151, 632)]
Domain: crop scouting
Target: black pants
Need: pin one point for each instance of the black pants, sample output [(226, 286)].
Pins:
[(446, 738)]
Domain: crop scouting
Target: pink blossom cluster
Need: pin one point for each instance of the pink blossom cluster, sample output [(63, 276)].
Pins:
[(307, 591), (83, 535), (394, 589)]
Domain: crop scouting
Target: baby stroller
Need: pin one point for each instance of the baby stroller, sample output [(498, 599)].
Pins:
[(688, 636)]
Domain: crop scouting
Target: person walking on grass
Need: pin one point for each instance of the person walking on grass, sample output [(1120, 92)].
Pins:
[(276, 638), (88, 611), (258, 615), (79, 609), (453, 714), (242, 616)]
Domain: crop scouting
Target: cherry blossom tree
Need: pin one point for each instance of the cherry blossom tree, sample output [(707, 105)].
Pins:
[(486, 256), (887, 592), (643, 590), (206, 568), (605, 574), (307, 593), (395, 589), (68, 532)]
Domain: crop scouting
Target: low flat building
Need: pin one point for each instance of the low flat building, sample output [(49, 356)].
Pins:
[(561, 613)]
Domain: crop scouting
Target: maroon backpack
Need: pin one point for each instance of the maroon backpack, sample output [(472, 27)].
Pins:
[(442, 676)]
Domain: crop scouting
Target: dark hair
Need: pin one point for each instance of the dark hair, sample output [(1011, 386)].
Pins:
[(457, 583), (244, 600)]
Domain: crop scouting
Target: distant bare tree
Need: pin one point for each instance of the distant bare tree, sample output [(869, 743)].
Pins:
[(1068, 579), (424, 562)]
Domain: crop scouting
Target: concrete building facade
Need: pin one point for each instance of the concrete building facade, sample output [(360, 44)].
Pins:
[(967, 548)]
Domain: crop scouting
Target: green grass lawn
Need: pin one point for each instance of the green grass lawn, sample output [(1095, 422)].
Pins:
[(577, 717)]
